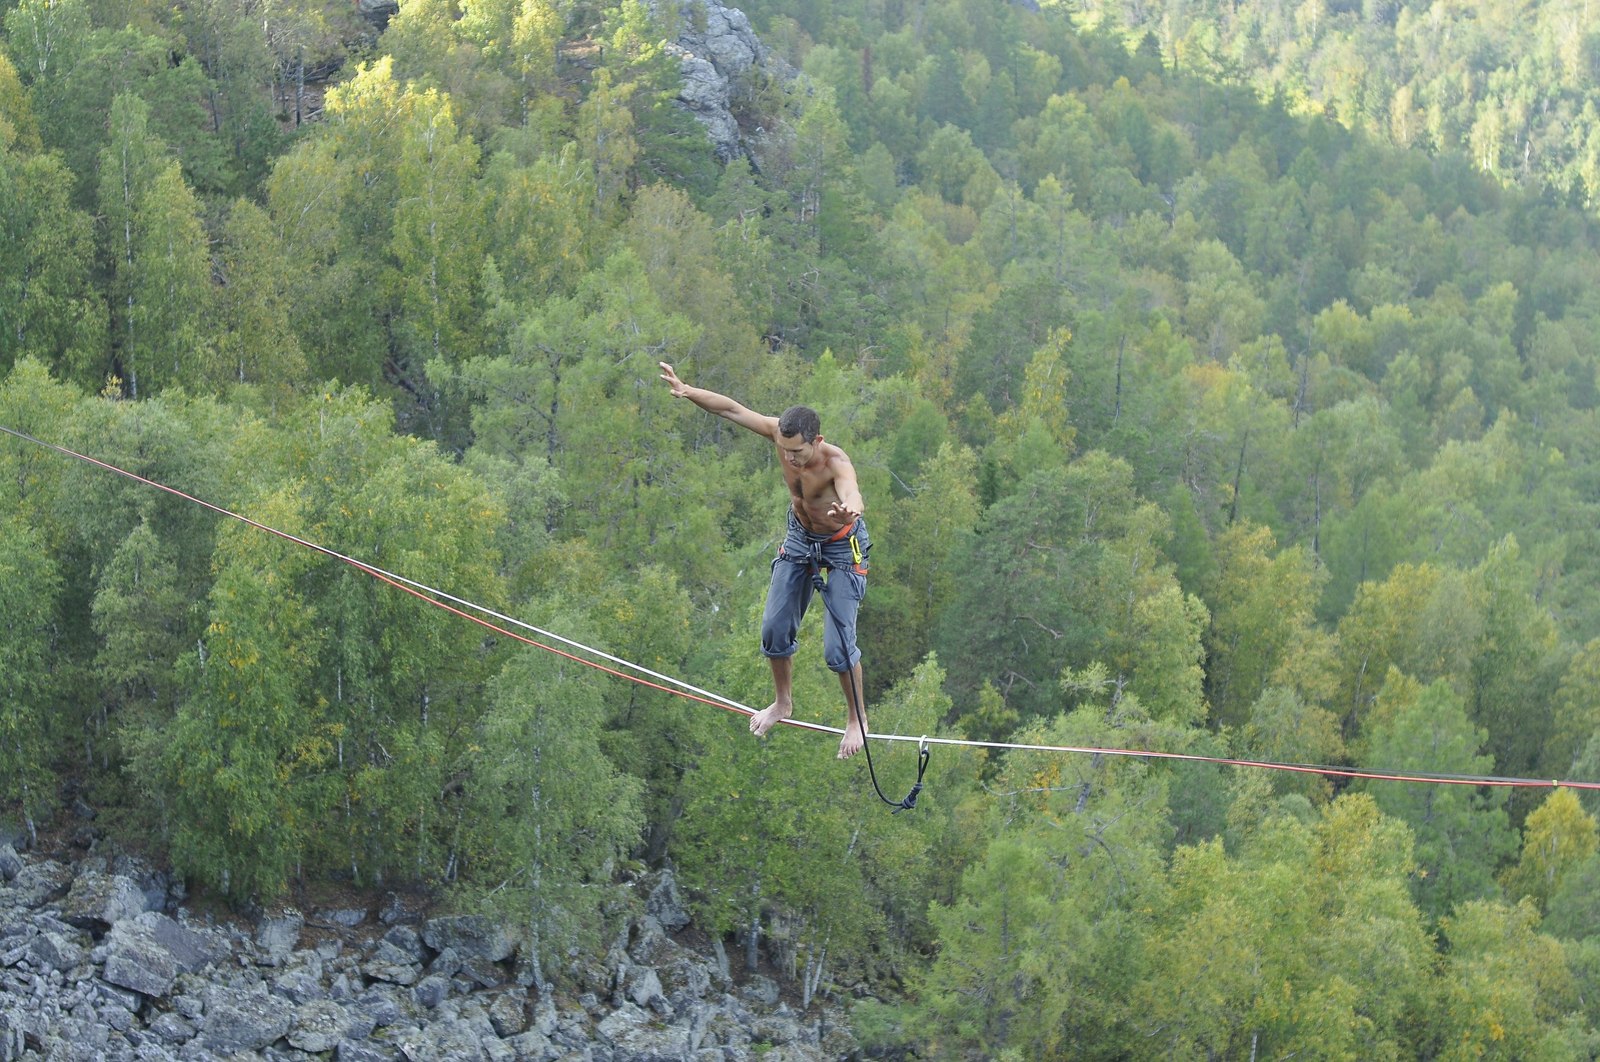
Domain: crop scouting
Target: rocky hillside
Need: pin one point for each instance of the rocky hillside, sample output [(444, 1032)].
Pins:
[(101, 960)]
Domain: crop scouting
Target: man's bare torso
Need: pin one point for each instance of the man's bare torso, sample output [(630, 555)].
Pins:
[(811, 490)]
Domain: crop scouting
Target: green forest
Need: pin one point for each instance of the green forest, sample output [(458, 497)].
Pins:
[(1221, 380)]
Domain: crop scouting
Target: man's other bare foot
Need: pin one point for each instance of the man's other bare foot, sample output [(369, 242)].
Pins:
[(769, 717), (852, 742)]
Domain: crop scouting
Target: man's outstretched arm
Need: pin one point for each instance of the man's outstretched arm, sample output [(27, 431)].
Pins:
[(721, 405), (850, 503)]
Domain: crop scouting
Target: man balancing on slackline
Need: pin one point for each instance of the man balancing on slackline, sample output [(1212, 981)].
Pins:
[(826, 531)]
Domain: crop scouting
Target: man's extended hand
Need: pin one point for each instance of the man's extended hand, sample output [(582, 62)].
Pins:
[(843, 513), (679, 388)]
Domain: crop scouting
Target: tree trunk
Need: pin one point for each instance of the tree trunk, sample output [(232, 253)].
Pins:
[(1238, 478), (752, 940), (816, 962)]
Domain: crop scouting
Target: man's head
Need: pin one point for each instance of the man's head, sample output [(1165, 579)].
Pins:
[(800, 421), (799, 431)]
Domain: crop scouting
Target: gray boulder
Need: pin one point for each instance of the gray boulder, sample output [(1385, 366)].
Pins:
[(322, 1026), (378, 12), (172, 1029), (381, 1005), (37, 884), (98, 900), (235, 1022), (471, 936), (135, 961), (508, 1013), (705, 93), (431, 991), (389, 963), (277, 935), (303, 984), (456, 1040), (665, 905), (347, 917), (146, 953), (406, 939), (361, 1051), (56, 951), (760, 991), (156, 989), (532, 1046), (480, 973), (10, 863), (635, 1034), (642, 987), (779, 1028), (13, 1035)]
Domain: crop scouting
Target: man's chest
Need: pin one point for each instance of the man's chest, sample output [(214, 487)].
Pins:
[(808, 485)]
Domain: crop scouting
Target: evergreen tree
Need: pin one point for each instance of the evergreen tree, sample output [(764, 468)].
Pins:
[(31, 587), (252, 335), (1462, 834), (233, 769), (48, 306), (547, 816), (156, 253)]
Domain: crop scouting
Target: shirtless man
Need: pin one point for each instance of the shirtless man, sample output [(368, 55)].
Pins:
[(826, 532)]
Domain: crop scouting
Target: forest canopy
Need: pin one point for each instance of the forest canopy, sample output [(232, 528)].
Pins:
[(1221, 379)]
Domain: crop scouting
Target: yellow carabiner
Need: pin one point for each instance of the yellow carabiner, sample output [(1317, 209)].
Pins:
[(855, 550)]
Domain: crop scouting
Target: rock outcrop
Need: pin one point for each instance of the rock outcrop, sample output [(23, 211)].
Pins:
[(101, 961), (719, 54), (378, 12)]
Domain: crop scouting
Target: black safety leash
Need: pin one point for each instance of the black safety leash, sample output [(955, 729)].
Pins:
[(856, 697)]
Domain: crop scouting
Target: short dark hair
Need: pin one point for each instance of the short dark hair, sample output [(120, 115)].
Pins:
[(802, 421)]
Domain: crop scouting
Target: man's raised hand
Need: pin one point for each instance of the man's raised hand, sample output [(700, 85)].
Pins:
[(679, 388)]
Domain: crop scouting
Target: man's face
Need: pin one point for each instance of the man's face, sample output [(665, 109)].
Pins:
[(797, 453)]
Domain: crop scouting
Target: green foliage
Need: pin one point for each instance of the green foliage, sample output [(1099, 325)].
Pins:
[(234, 766), (1461, 834), (436, 238), (1506, 988), (1433, 76), (1046, 937), (1082, 530), (139, 615), (1344, 968), (1205, 397), (156, 253), (1559, 836), (648, 738), (76, 71), (48, 303), (919, 575), (32, 587), (255, 342), (1262, 627), (547, 816)]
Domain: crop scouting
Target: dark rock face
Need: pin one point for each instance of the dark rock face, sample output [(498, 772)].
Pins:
[(97, 964), (378, 12)]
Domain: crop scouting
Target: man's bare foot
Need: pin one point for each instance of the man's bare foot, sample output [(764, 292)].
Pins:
[(852, 742), (769, 717)]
